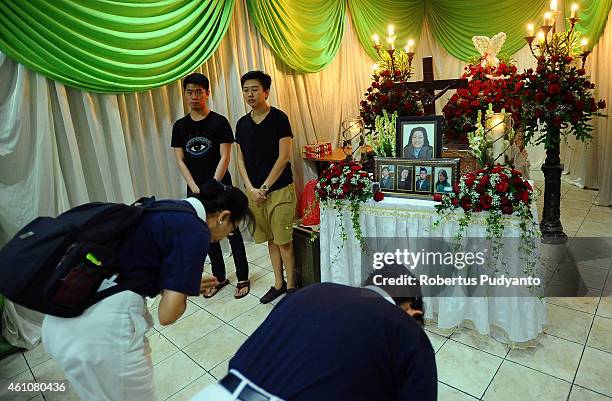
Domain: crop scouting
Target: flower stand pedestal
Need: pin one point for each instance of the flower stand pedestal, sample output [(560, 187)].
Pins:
[(307, 256), (550, 226)]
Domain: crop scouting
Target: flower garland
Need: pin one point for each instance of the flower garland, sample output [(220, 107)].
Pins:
[(499, 191), (341, 182)]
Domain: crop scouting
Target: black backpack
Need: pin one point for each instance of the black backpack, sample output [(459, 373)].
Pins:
[(56, 265)]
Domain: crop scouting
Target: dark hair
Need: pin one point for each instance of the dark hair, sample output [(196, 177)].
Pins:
[(196, 79), (385, 168), (444, 174), (419, 129), (422, 170), (217, 197), (264, 79), (400, 294)]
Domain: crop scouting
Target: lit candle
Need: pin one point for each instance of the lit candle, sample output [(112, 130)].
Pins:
[(390, 30), (553, 5), (584, 43), (376, 40), (498, 131), (375, 68), (541, 36), (530, 30), (391, 41), (547, 19), (574, 10), (410, 45)]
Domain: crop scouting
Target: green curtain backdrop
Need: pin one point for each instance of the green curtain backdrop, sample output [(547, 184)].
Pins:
[(454, 22), (593, 16), (305, 35), (373, 17), (113, 45)]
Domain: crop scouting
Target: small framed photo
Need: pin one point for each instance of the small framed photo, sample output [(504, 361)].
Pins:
[(404, 178), (422, 180), (443, 178), (415, 178), (386, 178), (419, 137)]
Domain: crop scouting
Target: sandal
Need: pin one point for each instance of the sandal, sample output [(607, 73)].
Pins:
[(240, 285), (216, 289)]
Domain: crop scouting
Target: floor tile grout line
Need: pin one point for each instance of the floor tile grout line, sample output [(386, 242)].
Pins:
[(583, 350), (588, 389), (478, 349), (186, 385), (458, 389), (492, 378), (539, 371)]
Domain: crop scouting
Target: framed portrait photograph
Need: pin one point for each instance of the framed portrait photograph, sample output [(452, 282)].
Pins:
[(422, 178), (419, 137), (404, 177), (443, 178), (398, 177), (387, 177)]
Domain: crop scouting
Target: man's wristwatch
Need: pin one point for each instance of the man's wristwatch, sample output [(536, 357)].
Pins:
[(265, 188)]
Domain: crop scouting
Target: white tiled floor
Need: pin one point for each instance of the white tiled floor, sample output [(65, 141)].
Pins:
[(572, 362)]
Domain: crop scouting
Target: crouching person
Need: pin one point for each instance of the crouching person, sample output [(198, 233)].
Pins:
[(331, 342), (104, 352)]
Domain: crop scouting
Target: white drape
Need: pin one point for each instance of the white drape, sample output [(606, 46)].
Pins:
[(60, 147)]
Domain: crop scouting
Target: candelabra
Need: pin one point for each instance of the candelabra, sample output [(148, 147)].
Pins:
[(393, 59)]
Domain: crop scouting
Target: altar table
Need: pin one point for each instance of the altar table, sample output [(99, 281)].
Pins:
[(514, 320)]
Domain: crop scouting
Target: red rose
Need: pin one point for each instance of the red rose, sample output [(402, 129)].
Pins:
[(553, 77), (475, 103), (581, 72), (505, 201), (469, 180), (486, 201), (507, 209), (466, 203), (528, 186), (375, 85), (455, 201), (579, 105), (551, 106), (355, 167), (557, 121), (554, 89), (539, 113), (378, 196), (601, 104), (575, 116), (437, 198), (502, 186), (346, 188), (569, 59), (522, 196), (539, 96)]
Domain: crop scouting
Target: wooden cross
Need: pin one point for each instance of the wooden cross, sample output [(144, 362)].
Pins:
[(426, 89)]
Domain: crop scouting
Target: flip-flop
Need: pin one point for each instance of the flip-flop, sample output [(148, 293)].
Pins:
[(243, 284), (216, 289)]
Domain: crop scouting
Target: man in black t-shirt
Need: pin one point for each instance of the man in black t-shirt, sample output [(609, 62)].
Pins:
[(202, 142), (264, 137)]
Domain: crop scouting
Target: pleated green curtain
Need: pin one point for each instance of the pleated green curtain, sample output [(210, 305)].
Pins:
[(113, 45), (305, 35), (454, 22), (593, 16), (374, 17)]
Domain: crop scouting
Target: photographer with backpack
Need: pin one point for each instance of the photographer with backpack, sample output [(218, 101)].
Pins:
[(104, 352)]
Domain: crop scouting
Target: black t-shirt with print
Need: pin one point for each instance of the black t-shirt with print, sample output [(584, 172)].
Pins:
[(259, 146), (201, 141)]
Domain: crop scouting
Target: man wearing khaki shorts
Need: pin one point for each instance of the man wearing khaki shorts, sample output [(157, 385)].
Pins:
[(264, 149)]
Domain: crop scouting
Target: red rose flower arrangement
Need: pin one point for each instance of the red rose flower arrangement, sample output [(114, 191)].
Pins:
[(557, 96), (383, 94), (497, 85), (498, 190), (345, 184)]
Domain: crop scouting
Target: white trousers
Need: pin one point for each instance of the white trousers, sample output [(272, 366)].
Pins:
[(104, 352)]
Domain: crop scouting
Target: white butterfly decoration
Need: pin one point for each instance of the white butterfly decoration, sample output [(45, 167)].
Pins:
[(489, 47)]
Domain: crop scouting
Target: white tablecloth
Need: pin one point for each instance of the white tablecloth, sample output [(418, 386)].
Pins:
[(508, 319)]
